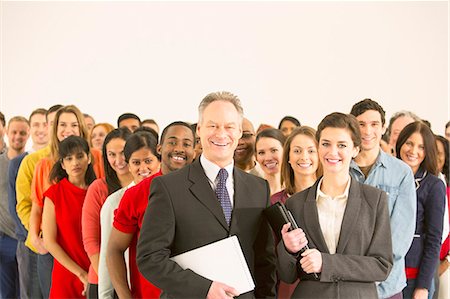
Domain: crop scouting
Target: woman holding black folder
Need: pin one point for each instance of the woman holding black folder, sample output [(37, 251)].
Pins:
[(345, 223)]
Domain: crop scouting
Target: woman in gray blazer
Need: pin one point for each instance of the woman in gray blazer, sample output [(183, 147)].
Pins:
[(345, 224)]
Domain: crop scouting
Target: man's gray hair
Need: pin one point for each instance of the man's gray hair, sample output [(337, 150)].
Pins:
[(224, 96)]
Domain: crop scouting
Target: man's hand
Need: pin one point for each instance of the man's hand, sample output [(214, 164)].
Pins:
[(219, 290), (293, 240)]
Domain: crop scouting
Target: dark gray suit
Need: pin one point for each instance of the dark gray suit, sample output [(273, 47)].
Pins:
[(363, 254), (184, 213)]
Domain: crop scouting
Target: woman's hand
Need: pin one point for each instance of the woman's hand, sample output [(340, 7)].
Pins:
[(420, 293), (38, 243), (83, 277), (443, 266), (293, 240), (311, 261)]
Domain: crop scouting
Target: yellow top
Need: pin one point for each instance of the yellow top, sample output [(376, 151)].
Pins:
[(23, 187)]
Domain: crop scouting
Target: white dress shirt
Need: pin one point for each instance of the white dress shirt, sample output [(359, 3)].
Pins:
[(212, 170)]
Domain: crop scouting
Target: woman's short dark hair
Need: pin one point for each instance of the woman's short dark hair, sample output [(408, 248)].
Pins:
[(429, 163), (70, 146), (139, 140), (342, 121), (112, 181), (292, 119), (148, 130)]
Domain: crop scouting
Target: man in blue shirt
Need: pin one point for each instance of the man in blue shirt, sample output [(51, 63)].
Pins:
[(374, 167)]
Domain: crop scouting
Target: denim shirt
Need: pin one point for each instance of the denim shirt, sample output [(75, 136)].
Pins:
[(395, 178)]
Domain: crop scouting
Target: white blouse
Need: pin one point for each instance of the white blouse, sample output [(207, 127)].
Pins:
[(105, 287)]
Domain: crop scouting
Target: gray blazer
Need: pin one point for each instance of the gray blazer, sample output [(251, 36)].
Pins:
[(364, 250), (183, 213)]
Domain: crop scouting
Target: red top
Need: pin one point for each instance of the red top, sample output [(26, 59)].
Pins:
[(281, 196), (128, 219), (445, 248), (68, 200), (42, 171), (90, 221)]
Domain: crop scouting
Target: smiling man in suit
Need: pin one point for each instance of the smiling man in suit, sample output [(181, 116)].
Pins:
[(204, 202)]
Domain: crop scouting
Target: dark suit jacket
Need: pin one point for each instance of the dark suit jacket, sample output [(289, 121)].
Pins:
[(183, 214), (364, 250)]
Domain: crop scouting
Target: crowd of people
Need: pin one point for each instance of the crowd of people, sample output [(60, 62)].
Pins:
[(95, 210)]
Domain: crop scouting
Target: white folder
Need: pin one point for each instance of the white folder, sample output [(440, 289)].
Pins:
[(221, 261)]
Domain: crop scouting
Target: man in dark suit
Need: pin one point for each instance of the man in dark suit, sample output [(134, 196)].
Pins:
[(204, 202)]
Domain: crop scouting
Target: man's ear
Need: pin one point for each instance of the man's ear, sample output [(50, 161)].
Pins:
[(356, 152), (383, 130), (158, 149)]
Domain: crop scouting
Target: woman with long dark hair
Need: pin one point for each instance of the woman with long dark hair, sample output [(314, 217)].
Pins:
[(117, 175), (71, 175), (416, 146), (143, 161)]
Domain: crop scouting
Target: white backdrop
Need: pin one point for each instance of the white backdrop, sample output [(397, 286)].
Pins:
[(158, 59)]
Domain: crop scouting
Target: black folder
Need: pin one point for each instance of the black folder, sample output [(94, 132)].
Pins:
[(278, 215)]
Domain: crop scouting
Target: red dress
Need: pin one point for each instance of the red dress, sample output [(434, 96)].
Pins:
[(68, 200)]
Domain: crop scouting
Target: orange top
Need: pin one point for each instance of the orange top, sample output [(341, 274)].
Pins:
[(41, 181)]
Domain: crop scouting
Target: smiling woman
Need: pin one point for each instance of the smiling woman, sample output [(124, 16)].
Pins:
[(117, 175), (269, 152), (343, 208), (69, 121), (416, 146)]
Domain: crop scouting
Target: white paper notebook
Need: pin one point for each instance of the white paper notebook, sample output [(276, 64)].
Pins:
[(221, 261)]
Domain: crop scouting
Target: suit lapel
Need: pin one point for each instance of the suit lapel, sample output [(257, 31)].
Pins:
[(311, 218), (241, 192), (202, 190), (350, 215)]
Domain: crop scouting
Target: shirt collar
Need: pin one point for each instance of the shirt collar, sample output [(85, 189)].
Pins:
[(212, 170), (320, 194), (419, 176), (381, 160)]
